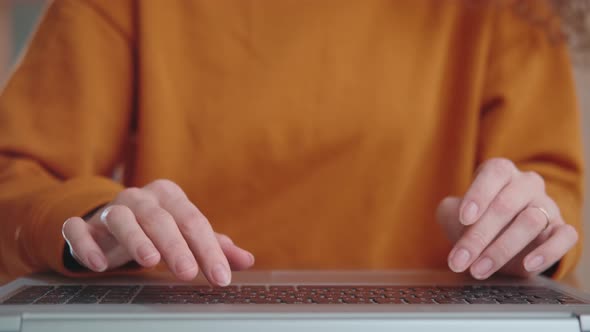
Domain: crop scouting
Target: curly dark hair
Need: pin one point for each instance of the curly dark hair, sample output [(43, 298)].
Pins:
[(569, 20), (575, 18)]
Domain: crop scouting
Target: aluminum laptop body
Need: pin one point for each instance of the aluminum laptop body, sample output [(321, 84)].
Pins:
[(294, 301)]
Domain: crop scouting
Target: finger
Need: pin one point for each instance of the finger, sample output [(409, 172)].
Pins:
[(238, 258), (165, 190), (493, 176), (512, 199), (555, 218), (82, 245), (527, 226), (201, 238), (161, 228), (447, 215), (122, 224), (195, 228), (563, 238)]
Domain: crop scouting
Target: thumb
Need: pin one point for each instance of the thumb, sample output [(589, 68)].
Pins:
[(447, 215)]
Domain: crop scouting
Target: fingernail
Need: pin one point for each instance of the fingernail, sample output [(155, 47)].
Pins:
[(221, 275), (534, 263), (97, 263), (63, 234), (105, 213), (184, 264), (459, 260), (147, 252), (469, 213), (252, 259), (483, 267)]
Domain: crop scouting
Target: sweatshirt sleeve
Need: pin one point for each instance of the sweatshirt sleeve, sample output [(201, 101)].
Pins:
[(530, 114), (64, 119)]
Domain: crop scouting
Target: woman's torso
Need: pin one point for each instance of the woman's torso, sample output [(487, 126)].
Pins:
[(315, 134)]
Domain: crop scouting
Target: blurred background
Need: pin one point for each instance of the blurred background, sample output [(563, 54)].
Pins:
[(18, 19)]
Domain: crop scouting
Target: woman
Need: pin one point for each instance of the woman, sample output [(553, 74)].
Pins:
[(314, 134)]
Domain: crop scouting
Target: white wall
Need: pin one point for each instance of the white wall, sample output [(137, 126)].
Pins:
[(5, 39), (583, 85)]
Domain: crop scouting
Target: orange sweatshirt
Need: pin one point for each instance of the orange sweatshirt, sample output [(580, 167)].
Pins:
[(317, 134)]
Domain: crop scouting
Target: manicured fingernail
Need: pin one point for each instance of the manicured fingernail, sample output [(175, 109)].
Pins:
[(147, 252), (105, 213), (459, 260), (97, 263), (221, 275), (469, 213), (184, 264), (63, 227), (534, 263), (483, 267)]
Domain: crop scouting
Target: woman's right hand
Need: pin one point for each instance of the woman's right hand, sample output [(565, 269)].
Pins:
[(148, 224)]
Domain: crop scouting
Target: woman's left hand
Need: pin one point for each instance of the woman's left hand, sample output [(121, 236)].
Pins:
[(505, 222)]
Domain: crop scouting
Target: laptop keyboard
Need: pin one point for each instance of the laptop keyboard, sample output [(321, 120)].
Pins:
[(190, 294)]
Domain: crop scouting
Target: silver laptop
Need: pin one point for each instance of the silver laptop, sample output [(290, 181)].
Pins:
[(294, 301)]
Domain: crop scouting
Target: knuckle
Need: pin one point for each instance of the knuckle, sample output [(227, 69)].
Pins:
[(476, 240), (152, 216), (134, 238), (193, 230), (144, 207), (500, 252), (503, 205), (191, 217), (183, 209), (165, 186), (535, 179), (189, 228), (131, 195), (500, 166), (475, 194), (174, 248), (532, 219)]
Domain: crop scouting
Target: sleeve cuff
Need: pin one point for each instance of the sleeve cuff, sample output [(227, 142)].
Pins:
[(74, 197)]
